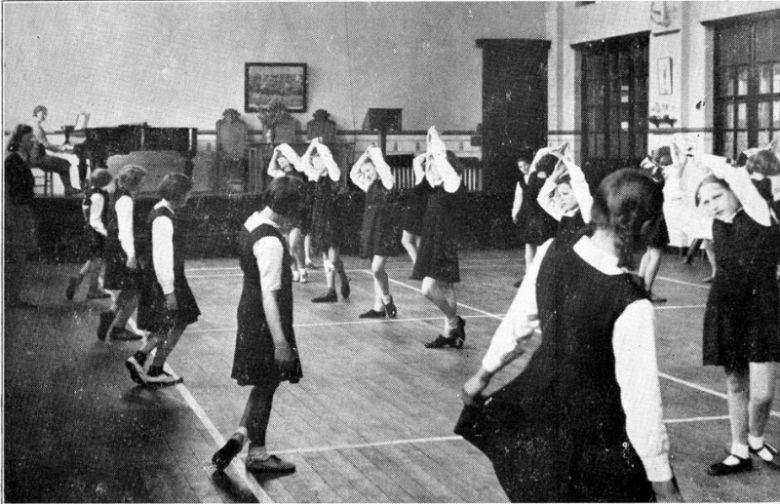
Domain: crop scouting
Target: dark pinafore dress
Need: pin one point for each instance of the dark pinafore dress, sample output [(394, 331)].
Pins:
[(534, 225), (376, 234), (117, 276), (152, 312), (557, 432), (741, 318), (305, 224), (96, 242), (438, 254), (571, 228), (414, 208), (253, 362), (327, 226)]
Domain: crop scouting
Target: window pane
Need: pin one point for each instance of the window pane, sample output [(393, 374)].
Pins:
[(640, 89), (726, 83), (765, 79), (742, 81), (729, 124), (728, 143), (742, 140), (763, 137), (764, 114), (776, 114), (776, 79), (625, 88), (741, 115), (614, 145)]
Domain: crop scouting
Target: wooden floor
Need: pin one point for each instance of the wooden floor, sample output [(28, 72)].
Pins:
[(370, 422)]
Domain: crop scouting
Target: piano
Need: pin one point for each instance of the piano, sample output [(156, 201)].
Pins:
[(101, 143)]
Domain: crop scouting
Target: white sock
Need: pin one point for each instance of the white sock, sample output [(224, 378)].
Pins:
[(740, 450), (450, 324), (258, 452), (755, 442), (242, 432), (386, 298)]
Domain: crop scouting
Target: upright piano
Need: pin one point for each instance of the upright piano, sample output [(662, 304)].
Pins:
[(101, 143)]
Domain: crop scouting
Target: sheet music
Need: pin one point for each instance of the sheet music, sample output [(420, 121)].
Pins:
[(81, 121)]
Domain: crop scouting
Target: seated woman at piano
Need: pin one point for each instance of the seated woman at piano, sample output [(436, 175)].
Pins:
[(40, 159)]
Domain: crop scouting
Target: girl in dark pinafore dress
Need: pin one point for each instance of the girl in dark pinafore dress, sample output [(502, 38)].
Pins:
[(741, 320), (583, 422), (414, 208), (377, 241), (122, 272), (566, 197), (437, 259), (266, 352), (166, 305), (327, 219)]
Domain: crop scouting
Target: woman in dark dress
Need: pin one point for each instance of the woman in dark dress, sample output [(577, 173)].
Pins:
[(377, 241), (583, 421), (534, 225), (414, 208), (437, 258), (741, 320), (166, 305), (266, 351), (327, 219)]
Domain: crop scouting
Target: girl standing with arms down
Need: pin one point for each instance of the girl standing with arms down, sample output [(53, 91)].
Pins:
[(266, 353), (741, 322), (166, 306), (583, 421), (122, 272), (373, 176), (437, 259), (327, 222)]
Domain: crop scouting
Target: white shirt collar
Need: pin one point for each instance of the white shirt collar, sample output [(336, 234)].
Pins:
[(258, 219), (605, 263), (164, 203)]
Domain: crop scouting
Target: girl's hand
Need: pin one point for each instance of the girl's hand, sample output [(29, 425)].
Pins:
[(283, 356), (170, 302), (131, 263), (473, 388), (559, 171)]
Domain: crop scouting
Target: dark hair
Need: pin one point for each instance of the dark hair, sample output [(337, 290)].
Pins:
[(38, 108), (526, 154), (764, 162), (284, 196), (547, 164), (709, 179), (130, 177), (16, 138), (660, 153), (174, 187), (100, 178), (629, 203), (456, 164)]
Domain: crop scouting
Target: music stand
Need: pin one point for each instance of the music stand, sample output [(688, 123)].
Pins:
[(382, 120)]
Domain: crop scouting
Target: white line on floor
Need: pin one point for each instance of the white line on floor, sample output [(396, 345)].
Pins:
[(237, 464), (696, 419), (680, 307), (683, 282), (701, 388)]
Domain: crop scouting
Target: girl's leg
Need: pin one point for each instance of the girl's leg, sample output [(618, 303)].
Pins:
[(409, 242), (338, 264), (648, 269), (762, 389), (710, 251), (383, 301), (75, 280), (692, 248), (737, 385), (126, 303), (93, 277), (330, 280), (530, 253), (255, 421), (442, 294), (307, 251), (166, 346), (296, 249)]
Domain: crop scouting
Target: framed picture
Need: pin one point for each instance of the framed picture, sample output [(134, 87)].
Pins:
[(264, 82), (665, 76)]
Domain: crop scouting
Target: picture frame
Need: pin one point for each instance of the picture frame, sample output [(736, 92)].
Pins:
[(665, 82), (265, 82)]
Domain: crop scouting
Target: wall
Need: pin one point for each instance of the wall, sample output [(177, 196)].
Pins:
[(182, 64)]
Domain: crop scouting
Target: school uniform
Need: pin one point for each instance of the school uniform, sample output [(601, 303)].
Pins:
[(571, 227), (741, 322), (376, 233), (120, 243), (94, 206), (658, 236), (534, 225), (265, 261), (327, 229), (163, 273), (438, 254), (414, 208), (583, 421)]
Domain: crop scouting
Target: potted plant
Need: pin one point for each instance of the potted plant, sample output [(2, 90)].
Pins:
[(271, 117)]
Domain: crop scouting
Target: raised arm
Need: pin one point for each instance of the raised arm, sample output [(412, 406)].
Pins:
[(382, 168), (273, 167), (739, 181), (356, 174), (305, 163), (419, 168), (452, 180), (327, 158), (546, 197), (580, 188), (518, 202)]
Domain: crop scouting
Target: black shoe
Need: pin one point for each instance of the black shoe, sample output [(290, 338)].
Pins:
[(440, 342), (106, 318), (458, 335), (328, 297), (517, 284), (372, 314), (156, 377), (73, 283), (775, 462), (656, 299), (345, 290), (222, 458), (390, 310), (124, 335), (722, 469), (135, 365)]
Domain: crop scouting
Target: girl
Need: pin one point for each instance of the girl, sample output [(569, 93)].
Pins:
[(327, 224), (583, 420), (122, 272), (95, 208), (741, 320), (659, 238), (534, 225), (416, 199), (286, 163), (437, 258), (266, 353), (373, 176), (565, 196), (166, 306)]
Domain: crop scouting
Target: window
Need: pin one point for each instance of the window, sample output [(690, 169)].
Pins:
[(614, 101), (747, 85)]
